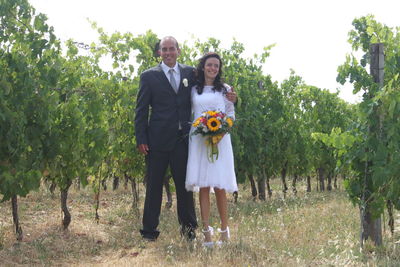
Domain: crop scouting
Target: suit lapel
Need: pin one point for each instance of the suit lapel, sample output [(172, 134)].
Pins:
[(183, 77), (161, 75)]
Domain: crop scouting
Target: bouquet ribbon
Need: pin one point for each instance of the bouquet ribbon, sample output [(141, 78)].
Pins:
[(212, 147)]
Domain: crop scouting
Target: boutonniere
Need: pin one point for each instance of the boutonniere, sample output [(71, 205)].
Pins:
[(185, 82)]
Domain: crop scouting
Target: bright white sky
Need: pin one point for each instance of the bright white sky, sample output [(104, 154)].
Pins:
[(310, 35)]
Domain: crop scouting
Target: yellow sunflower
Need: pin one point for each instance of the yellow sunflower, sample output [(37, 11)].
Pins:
[(213, 124), (230, 122), (196, 123), (211, 113)]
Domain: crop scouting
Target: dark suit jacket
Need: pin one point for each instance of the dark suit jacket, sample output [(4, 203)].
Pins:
[(159, 109)]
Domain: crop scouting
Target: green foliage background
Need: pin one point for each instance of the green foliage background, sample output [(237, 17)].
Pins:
[(63, 117)]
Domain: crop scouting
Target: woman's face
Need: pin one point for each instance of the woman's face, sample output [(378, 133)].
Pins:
[(211, 68)]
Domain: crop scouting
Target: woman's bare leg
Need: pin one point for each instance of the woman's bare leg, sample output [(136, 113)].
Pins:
[(204, 198), (222, 205)]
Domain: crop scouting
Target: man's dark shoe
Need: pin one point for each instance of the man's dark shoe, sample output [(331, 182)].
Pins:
[(149, 239), (188, 233), (149, 236)]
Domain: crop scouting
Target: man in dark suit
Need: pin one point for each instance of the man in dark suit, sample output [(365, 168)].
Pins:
[(162, 125)]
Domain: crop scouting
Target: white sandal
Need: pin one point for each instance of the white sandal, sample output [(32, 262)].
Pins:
[(211, 231), (228, 236)]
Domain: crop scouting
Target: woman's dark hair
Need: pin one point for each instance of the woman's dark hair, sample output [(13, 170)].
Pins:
[(200, 80)]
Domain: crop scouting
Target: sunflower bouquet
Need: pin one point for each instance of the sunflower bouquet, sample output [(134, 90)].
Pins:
[(212, 125)]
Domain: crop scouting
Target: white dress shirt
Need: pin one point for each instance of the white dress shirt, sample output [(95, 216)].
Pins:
[(177, 73)]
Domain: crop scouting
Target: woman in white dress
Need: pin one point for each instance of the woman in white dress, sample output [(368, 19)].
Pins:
[(210, 94)]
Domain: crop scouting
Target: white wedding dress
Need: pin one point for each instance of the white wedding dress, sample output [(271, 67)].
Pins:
[(200, 171)]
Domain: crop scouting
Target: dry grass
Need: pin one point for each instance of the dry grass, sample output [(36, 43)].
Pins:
[(305, 230)]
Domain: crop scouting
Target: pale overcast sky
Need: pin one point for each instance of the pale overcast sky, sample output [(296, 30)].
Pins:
[(310, 35)]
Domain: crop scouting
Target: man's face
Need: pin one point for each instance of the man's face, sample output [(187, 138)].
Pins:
[(169, 52)]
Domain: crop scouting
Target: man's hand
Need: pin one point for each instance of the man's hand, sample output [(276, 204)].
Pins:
[(231, 96), (143, 148)]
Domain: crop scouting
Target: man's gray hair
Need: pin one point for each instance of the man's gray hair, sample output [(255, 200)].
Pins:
[(169, 37)]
